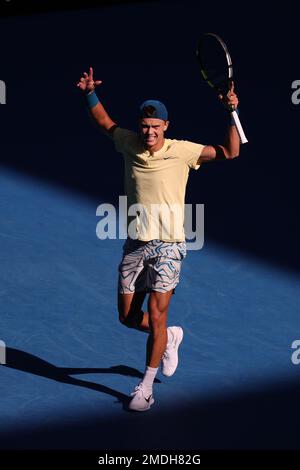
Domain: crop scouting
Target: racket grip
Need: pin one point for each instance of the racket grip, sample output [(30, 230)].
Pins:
[(239, 128)]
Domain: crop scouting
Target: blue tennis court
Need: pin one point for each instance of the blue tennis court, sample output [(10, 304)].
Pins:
[(71, 365)]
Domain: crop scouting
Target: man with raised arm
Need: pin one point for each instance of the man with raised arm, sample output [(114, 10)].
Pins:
[(156, 174)]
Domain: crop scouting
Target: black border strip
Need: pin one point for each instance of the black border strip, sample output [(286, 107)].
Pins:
[(29, 7)]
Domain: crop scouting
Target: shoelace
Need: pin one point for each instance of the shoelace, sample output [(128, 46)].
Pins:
[(166, 355), (136, 389), (139, 388)]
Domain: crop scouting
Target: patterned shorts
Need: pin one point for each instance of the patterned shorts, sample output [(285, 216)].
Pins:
[(148, 266)]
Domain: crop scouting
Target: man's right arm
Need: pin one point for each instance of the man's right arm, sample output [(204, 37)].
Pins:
[(87, 85), (101, 118)]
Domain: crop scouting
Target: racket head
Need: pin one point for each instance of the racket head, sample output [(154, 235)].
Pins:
[(215, 62)]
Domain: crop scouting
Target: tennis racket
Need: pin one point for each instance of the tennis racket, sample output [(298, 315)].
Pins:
[(216, 69)]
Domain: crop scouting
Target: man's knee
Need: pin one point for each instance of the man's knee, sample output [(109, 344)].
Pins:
[(132, 320), (130, 309), (158, 317)]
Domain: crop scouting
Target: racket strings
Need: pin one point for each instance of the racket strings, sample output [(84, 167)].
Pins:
[(215, 62)]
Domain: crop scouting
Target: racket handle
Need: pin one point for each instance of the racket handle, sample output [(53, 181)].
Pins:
[(238, 126)]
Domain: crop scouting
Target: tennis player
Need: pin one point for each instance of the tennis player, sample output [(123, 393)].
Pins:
[(156, 174)]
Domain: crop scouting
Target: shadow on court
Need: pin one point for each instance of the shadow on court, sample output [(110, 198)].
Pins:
[(21, 360), (261, 418)]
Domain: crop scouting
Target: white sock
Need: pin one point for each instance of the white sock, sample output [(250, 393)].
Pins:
[(149, 377)]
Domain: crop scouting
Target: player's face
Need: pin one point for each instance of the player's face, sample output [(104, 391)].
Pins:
[(152, 132)]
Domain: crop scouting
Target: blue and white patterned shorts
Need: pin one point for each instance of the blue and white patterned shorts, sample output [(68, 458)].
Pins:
[(153, 265)]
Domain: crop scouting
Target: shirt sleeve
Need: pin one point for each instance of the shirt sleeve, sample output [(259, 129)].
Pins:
[(122, 139), (190, 153)]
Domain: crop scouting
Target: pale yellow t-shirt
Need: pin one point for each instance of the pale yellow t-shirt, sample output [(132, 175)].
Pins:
[(157, 183)]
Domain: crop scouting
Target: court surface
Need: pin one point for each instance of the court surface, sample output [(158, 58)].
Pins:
[(70, 365)]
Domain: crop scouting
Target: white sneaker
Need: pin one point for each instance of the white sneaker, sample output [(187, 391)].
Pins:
[(170, 358), (141, 400)]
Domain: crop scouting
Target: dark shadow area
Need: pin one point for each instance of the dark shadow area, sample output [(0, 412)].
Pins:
[(19, 7), (263, 417), (26, 362)]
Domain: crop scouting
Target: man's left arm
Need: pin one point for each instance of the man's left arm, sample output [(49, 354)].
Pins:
[(231, 147)]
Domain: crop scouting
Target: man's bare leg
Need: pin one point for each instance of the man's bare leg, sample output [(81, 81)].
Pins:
[(158, 305), (155, 322), (130, 311)]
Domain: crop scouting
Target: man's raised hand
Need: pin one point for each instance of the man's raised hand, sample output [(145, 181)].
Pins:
[(87, 84), (230, 101)]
